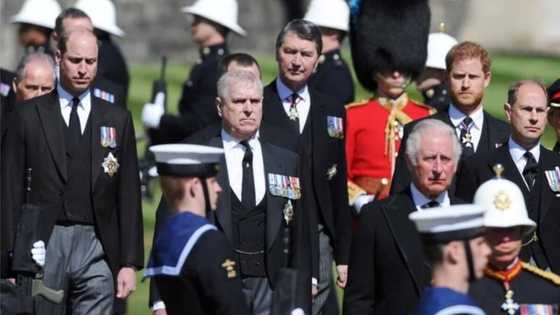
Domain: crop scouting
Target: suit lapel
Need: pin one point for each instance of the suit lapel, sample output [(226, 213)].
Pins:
[(274, 204), (486, 144), (319, 125), (223, 211), (53, 127), (405, 236), (96, 118), (546, 162)]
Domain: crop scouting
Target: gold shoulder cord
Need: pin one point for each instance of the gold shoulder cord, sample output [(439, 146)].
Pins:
[(542, 273)]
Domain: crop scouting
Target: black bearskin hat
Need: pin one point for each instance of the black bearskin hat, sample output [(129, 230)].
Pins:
[(389, 35)]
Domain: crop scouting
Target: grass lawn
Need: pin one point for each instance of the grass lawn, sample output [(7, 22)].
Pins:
[(506, 69)]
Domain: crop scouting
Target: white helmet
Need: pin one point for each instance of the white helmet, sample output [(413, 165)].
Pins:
[(504, 204), (223, 12), (329, 13), (439, 45), (102, 13), (38, 12)]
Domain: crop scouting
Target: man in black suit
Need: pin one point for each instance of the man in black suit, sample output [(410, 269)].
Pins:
[(6, 79), (315, 125), (388, 270), (260, 201), (468, 75), (528, 164), (85, 178)]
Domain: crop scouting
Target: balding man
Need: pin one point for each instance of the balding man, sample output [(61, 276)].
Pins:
[(85, 177), (35, 76), (529, 165)]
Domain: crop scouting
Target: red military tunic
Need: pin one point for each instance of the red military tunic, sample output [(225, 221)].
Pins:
[(373, 136)]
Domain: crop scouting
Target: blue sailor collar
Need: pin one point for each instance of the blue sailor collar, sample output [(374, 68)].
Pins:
[(175, 242)]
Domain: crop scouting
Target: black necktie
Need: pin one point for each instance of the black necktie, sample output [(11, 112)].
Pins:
[(293, 112), (531, 169), (465, 137), (431, 204), (74, 129), (248, 182)]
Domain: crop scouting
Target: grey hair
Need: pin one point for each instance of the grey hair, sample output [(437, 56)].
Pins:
[(304, 30), (239, 77), (423, 127), (33, 57)]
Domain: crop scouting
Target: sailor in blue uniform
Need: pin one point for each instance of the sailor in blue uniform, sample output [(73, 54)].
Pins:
[(457, 251), (192, 263)]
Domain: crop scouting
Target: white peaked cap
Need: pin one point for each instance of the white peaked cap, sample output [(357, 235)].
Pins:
[(444, 224), (223, 12), (504, 204), (186, 154), (38, 12), (439, 45), (329, 13), (102, 13)]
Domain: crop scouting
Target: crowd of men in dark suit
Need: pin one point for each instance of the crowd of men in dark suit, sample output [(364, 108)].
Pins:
[(295, 194)]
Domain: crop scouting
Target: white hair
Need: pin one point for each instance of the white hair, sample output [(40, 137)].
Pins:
[(430, 125)]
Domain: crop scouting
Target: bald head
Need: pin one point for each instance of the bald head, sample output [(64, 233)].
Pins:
[(35, 76), (77, 58)]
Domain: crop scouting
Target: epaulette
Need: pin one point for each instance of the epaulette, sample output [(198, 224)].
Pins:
[(431, 109), (542, 273), (356, 104)]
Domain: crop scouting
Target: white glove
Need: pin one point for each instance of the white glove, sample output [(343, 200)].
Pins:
[(38, 253), (361, 201), (158, 305), (152, 112), (297, 311)]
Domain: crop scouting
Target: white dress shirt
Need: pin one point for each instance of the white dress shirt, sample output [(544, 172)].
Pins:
[(303, 104), (234, 152), (516, 151), (456, 117), (419, 199), (83, 110)]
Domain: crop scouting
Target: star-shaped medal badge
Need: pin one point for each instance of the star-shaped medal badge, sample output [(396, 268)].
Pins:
[(110, 164)]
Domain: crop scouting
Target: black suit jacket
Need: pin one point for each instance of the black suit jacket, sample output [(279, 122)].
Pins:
[(387, 270), (476, 171), (36, 140), (328, 165), (494, 133), (276, 161), (6, 78)]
